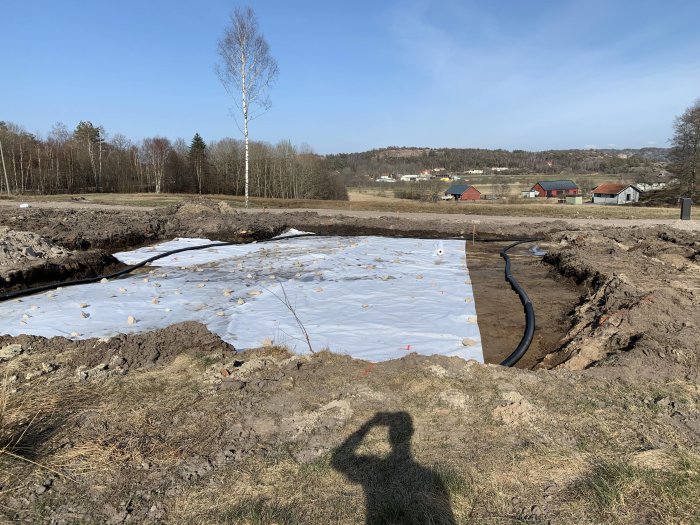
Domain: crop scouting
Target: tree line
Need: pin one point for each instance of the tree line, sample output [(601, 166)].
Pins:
[(87, 160)]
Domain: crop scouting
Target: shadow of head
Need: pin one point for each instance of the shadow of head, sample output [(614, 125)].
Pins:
[(398, 490)]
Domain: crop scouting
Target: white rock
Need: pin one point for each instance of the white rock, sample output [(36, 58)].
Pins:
[(10, 351)]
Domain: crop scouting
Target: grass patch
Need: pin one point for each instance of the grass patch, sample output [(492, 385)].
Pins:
[(624, 492), (606, 484), (260, 511), (452, 479)]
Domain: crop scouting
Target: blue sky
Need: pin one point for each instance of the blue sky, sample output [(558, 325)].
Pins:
[(358, 75)]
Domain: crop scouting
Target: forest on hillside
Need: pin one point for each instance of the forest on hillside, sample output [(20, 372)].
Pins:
[(87, 160), (457, 160)]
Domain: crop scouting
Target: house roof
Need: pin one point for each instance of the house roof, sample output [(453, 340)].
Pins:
[(609, 188), (458, 189), (549, 185)]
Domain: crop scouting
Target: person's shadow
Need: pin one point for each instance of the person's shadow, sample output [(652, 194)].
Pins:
[(397, 489)]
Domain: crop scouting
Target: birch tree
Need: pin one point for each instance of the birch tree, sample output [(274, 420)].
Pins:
[(2, 156), (157, 150), (246, 69)]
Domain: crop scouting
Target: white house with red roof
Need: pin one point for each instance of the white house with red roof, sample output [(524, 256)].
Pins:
[(610, 193)]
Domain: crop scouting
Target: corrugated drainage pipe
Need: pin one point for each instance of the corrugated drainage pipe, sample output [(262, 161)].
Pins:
[(524, 344)]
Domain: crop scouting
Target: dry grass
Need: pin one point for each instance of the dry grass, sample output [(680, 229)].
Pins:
[(580, 451), (494, 473), (617, 491), (30, 417)]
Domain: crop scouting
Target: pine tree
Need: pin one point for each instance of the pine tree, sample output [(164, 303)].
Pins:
[(198, 159)]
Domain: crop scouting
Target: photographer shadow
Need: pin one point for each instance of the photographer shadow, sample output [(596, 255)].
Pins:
[(397, 489)]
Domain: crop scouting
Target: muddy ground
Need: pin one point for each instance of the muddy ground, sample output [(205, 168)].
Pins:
[(174, 426)]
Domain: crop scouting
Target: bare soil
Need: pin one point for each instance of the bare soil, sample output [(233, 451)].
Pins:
[(553, 297), (174, 426)]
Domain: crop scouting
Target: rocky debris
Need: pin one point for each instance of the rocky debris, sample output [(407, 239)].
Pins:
[(9, 351), (18, 248), (115, 366), (44, 369)]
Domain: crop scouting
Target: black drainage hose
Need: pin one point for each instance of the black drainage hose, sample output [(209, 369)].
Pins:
[(524, 344), (129, 269)]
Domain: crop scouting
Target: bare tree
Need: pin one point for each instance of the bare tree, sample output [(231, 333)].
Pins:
[(247, 69), (93, 138), (157, 150), (685, 147)]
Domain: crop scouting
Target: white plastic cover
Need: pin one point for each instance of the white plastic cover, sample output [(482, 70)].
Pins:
[(373, 298)]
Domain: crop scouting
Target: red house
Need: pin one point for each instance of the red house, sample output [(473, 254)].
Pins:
[(556, 188), (463, 192)]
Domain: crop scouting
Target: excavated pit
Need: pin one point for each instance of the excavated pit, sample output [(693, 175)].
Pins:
[(573, 324), (500, 313)]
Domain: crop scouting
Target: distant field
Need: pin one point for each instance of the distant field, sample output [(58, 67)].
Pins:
[(376, 202)]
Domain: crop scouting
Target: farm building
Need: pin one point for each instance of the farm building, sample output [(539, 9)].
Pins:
[(555, 188), (609, 193), (463, 192)]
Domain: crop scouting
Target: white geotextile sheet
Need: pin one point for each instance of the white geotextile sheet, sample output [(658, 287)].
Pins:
[(373, 298)]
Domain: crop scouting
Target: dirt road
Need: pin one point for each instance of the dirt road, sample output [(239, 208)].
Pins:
[(468, 220)]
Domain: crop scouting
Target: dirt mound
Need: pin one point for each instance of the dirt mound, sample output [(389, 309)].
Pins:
[(81, 229), (157, 347), (28, 259), (641, 310), (198, 206), (131, 350), (218, 221)]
